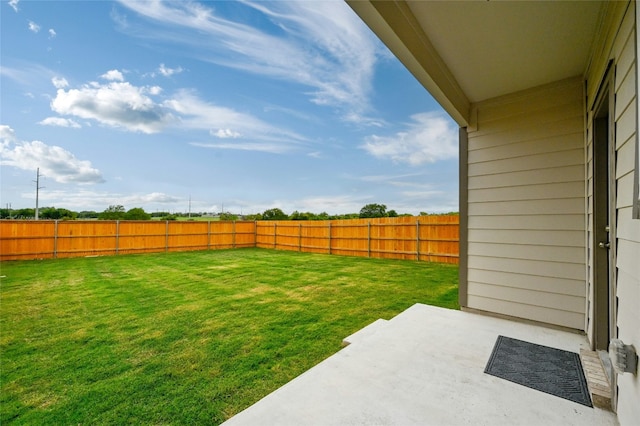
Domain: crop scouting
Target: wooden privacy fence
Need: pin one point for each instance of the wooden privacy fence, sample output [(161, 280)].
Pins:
[(426, 238), (55, 239)]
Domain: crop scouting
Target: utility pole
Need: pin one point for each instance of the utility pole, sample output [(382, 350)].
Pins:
[(189, 206), (38, 188)]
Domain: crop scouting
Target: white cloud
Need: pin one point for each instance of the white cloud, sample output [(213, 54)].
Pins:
[(98, 200), (14, 4), (155, 90), (117, 104), (52, 33), (54, 162), (226, 133), (7, 135), (168, 72), (341, 204), (135, 108), (321, 45), (59, 122), (198, 114), (33, 27), (154, 197), (113, 75), (59, 82), (273, 148), (28, 74), (429, 138)]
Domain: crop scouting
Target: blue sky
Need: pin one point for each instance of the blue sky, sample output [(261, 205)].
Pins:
[(241, 106)]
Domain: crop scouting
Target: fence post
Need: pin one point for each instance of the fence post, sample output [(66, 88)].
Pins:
[(417, 239), (255, 233), (55, 239), (329, 237), (166, 236), (233, 234), (369, 239), (117, 237), (209, 235), (275, 235), (300, 236)]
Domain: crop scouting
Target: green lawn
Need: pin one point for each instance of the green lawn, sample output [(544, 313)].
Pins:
[(185, 338)]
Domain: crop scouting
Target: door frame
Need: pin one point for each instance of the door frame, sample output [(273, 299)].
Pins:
[(603, 259)]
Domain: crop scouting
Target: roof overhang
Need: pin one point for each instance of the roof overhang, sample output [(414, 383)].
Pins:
[(464, 52)]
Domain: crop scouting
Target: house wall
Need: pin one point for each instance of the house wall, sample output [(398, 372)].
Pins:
[(526, 205), (616, 42)]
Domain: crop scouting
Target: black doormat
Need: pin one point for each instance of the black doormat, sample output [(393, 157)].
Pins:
[(546, 369)]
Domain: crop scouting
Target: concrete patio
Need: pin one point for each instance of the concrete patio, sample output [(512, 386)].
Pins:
[(423, 367)]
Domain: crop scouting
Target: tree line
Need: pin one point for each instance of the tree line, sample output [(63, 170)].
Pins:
[(118, 212)]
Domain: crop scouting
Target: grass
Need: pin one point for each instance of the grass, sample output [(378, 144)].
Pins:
[(185, 337)]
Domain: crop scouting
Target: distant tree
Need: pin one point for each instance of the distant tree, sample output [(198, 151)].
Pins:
[(137, 213), (228, 216), (87, 214), (296, 215), (392, 213), (49, 213), (274, 214), (169, 217), (24, 213), (55, 214), (256, 216), (113, 212), (373, 210), (5, 213)]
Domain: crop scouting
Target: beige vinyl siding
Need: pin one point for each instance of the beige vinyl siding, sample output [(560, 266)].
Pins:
[(617, 42), (526, 189), (628, 229)]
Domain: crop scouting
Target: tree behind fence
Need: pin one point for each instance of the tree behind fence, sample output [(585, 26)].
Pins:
[(425, 238)]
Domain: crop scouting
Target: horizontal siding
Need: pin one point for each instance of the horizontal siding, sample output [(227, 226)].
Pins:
[(526, 189), (558, 95), (529, 282), (527, 192), (617, 41), (625, 126), (548, 207), (527, 148), (528, 267), (560, 238), (624, 191), (626, 158), (510, 135), (531, 312), (529, 177), (529, 252), (519, 128), (540, 162), (525, 222), (627, 260), (626, 98), (574, 304)]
